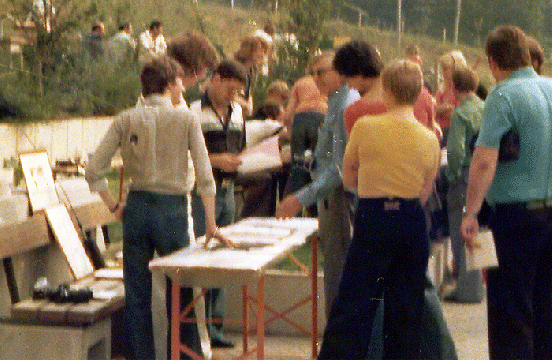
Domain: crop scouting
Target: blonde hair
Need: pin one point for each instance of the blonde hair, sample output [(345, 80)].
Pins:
[(404, 79), (278, 89), (454, 60)]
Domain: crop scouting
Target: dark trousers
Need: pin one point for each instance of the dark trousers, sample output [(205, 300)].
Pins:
[(388, 254), (519, 291), (152, 222)]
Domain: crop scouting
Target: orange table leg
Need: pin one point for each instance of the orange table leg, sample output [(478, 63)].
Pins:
[(245, 317), (175, 321), (314, 279), (260, 318)]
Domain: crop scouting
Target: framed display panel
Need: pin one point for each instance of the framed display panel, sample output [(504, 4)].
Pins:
[(39, 180), (68, 239)]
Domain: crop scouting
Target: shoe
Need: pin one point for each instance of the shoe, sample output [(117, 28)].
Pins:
[(221, 343)]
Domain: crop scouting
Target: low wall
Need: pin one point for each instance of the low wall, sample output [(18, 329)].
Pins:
[(62, 139)]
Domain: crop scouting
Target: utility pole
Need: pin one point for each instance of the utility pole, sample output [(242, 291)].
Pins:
[(399, 25), (457, 21)]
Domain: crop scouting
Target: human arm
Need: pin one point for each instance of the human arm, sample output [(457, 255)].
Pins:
[(211, 229), (351, 161), (225, 161), (456, 147), (431, 175), (482, 170), (287, 118), (100, 163), (246, 103)]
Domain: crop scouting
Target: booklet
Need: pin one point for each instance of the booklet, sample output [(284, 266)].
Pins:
[(263, 156), (484, 255)]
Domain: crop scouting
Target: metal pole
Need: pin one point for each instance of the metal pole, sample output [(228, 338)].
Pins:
[(457, 21), (399, 25)]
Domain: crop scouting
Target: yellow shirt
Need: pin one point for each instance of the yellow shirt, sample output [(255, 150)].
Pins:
[(394, 156)]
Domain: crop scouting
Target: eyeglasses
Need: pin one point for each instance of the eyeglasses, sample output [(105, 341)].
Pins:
[(320, 72)]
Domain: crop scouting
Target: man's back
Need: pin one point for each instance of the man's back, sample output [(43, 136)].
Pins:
[(522, 102)]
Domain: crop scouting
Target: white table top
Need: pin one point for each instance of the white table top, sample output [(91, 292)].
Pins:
[(261, 242)]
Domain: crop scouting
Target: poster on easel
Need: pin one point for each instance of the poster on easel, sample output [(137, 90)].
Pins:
[(39, 180), (68, 239)]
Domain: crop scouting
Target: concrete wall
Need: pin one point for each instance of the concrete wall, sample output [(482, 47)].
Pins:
[(62, 139)]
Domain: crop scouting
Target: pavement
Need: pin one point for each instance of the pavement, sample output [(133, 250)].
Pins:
[(467, 324)]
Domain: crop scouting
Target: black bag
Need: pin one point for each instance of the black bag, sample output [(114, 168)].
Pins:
[(509, 145)]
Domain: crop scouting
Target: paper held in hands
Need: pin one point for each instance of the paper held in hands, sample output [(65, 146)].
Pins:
[(263, 156), (484, 254)]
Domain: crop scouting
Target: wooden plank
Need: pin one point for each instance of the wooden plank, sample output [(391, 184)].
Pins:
[(93, 214), (23, 236)]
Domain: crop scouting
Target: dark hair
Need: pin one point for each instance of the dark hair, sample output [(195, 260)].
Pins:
[(358, 58), (507, 47), (155, 24), (158, 73), (464, 80), (268, 110), (194, 52), (124, 26), (412, 50), (230, 69), (97, 26), (536, 53)]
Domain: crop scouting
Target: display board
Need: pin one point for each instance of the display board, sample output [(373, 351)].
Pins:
[(39, 180)]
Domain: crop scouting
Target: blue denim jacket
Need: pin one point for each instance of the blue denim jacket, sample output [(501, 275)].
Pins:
[(330, 147)]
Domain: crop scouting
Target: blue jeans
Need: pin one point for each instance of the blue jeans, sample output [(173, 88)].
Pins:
[(151, 222), (519, 291), (388, 253), (215, 299), (469, 286)]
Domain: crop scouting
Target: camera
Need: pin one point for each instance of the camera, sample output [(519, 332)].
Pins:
[(63, 294)]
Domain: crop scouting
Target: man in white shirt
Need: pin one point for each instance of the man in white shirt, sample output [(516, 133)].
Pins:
[(152, 43)]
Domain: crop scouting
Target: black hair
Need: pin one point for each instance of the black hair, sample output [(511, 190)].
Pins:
[(158, 73), (230, 69), (155, 24), (358, 58)]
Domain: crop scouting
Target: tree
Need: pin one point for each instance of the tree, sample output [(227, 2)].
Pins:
[(45, 24)]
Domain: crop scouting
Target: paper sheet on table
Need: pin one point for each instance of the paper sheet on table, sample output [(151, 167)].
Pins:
[(483, 256), (263, 156)]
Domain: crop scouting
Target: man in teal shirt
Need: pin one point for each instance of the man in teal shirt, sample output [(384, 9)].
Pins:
[(464, 125), (519, 291)]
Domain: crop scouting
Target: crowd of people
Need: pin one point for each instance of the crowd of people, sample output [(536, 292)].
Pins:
[(364, 145)]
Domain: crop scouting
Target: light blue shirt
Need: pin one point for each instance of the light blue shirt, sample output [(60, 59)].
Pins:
[(523, 101), (330, 148)]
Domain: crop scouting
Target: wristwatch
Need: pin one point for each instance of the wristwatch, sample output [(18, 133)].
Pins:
[(468, 214)]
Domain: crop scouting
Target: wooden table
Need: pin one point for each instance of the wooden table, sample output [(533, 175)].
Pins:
[(262, 242)]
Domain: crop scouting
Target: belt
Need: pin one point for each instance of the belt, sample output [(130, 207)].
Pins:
[(539, 204)]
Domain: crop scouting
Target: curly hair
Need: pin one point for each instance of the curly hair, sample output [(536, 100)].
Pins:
[(248, 46), (194, 52)]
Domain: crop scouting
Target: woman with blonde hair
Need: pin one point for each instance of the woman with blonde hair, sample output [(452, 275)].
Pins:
[(445, 99)]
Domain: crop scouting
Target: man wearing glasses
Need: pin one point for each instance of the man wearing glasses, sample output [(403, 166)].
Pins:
[(326, 189), (224, 131)]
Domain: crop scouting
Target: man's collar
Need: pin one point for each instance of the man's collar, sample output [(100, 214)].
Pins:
[(156, 100)]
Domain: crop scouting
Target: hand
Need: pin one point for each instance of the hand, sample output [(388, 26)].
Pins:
[(214, 233), (469, 229), (227, 162), (119, 212), (289, 207)]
